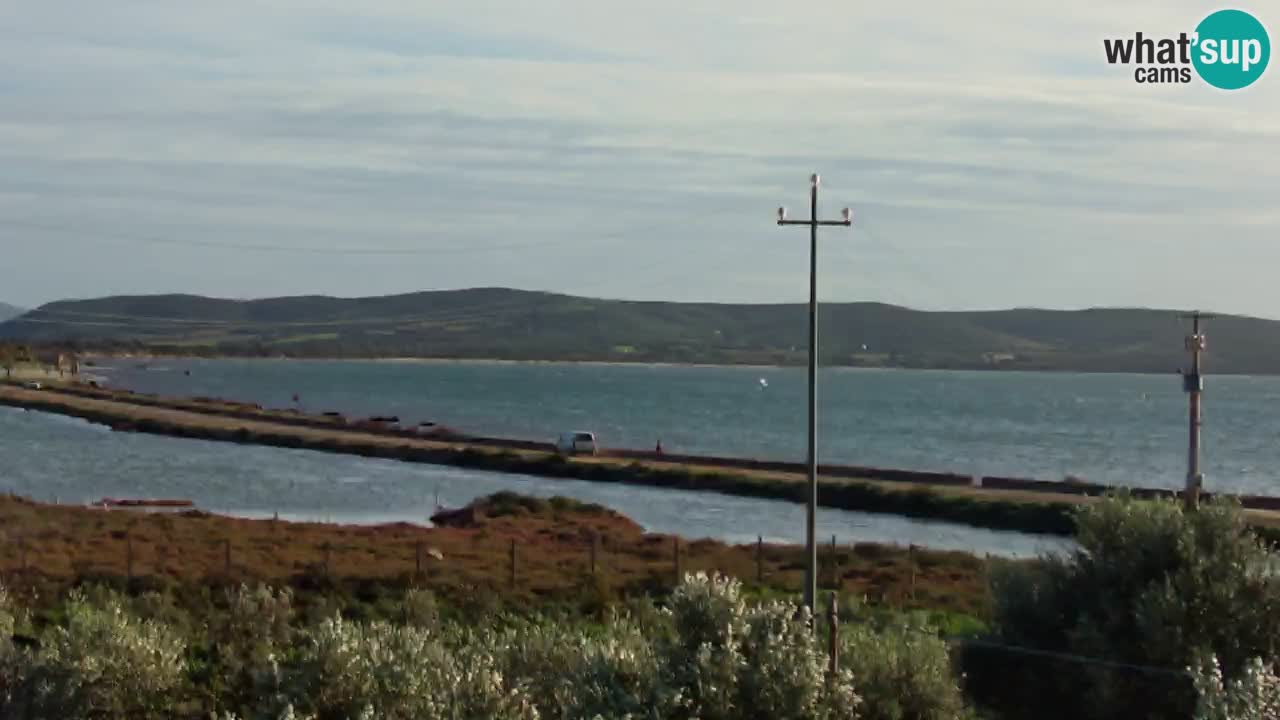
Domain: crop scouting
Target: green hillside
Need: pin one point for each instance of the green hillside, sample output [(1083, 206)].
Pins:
[(9, 311), (520, 325)]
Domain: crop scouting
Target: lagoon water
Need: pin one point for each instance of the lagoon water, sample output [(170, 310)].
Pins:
[(1124, 429), (1118, 429), (56, 458)]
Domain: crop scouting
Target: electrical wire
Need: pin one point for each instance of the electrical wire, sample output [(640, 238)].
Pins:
[(62, 316)]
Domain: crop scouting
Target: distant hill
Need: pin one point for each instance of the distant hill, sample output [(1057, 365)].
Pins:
[(9, 311), (521, 325)]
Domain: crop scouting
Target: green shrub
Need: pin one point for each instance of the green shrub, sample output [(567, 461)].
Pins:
[(102, 662), (902, 672), (11, 660), (350, 670), (1253, 695), (1150, 588), (709, 655), (732, 661), (245, 640), (419, 609)]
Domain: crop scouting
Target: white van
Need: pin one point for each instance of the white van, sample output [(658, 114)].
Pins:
[(576, 443)]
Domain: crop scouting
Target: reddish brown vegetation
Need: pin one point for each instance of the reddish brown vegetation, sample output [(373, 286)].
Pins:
[(466, 558)]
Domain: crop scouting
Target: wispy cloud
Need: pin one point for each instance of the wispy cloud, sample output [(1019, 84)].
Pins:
[(629, 149)]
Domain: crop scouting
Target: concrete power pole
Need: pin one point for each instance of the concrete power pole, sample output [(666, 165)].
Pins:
[(1193, 385), (811, 504)]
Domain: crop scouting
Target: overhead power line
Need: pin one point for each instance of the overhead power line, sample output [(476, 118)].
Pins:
[(464, 249), (468, 248)]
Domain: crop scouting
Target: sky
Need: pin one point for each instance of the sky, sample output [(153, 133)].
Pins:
[(253, 148)]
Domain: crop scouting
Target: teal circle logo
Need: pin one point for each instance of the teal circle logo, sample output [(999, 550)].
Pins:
[(1231, 49)]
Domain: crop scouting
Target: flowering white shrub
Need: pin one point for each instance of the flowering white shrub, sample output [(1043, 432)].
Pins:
[(708, 614), (731, 661), (784, 670), (102, 662), (1253, 695), (568, 674), (10, 659), (245, 641), (288, 713), (348, 670), (542, 658), (620, 677), (260, 612)]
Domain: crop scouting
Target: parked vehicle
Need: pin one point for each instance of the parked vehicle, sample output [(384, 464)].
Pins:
[(578, 442), (34, 386)]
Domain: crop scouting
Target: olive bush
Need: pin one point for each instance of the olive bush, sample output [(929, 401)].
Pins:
[(567, 674), (732, 661), (902, 672), (10, 660), (101, 662), (1150, 588), (709, 655), (244, 643), (1253, 695), (419, 608), (347, 670)]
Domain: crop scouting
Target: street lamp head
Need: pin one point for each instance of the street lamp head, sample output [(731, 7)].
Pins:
[(814, 179), (782, 214), (847, 214)]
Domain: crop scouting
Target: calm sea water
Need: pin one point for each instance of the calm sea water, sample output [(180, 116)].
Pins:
[(52, 457), (1122, 429)]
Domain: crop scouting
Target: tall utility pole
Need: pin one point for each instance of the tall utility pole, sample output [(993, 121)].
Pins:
[(811, 505), (1193, 385)]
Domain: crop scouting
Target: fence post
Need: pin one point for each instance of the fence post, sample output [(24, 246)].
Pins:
[(835, 566), (759, 560), (675, 545), (833, 622), (594, 539), (513, 563), (911, 559), (417, 559)]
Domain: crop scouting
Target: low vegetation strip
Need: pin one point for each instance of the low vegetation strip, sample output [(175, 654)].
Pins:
[(1055, 638), (568, 555), (1016, 510)]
